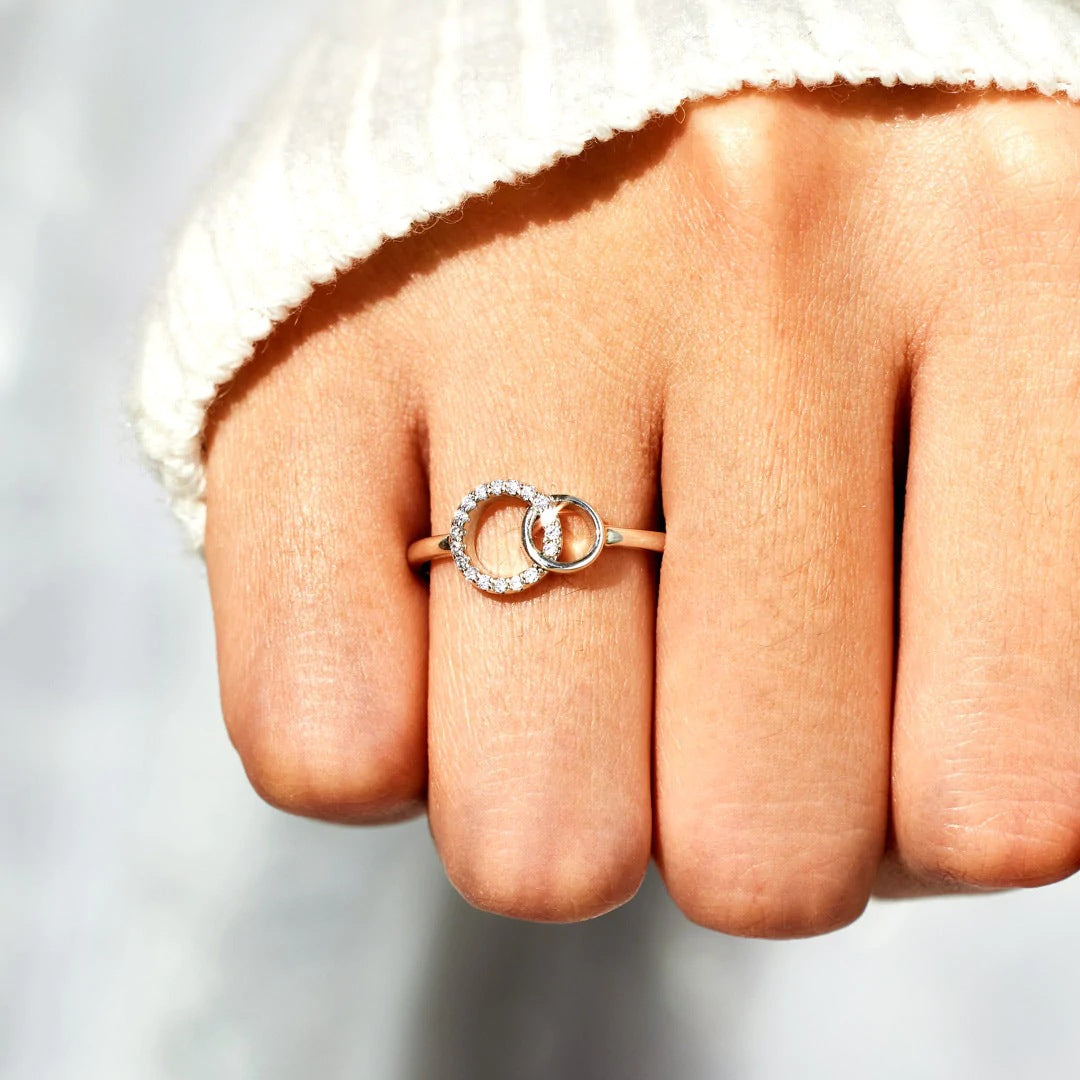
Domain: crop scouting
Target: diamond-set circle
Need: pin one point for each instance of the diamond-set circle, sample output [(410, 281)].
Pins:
[(463, 518)]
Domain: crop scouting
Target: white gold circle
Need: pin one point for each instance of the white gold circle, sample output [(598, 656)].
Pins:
[(537, 504), (544, 559)]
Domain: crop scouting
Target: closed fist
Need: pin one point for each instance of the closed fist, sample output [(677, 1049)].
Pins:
[(830, 342)]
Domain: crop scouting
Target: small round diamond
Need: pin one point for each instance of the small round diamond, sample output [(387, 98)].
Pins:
[(530, 576), (480, 492), (528, 492), (511, 487), (472, 574), (515, 584), (499, 584), (495, 488), (484, 582)]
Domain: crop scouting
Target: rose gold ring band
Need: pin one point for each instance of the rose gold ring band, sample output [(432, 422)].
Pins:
[(541, 510)]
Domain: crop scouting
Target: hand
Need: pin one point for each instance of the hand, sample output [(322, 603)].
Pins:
[(744, 311)]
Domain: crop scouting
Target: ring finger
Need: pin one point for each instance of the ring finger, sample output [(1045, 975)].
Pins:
[(540, 704)]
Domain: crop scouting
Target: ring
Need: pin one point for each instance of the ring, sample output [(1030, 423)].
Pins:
[(540, 509)]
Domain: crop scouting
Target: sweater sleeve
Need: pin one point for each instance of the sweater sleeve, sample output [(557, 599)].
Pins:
[(398, 110)]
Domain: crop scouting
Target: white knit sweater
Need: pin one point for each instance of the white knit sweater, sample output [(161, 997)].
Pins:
[(396, 110)]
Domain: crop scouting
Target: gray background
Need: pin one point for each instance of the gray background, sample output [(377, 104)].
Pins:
[(156, 920)]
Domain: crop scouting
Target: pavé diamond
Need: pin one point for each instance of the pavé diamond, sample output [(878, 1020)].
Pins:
[(462, 521)]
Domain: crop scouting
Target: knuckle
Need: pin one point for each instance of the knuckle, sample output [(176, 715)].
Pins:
[(772, 894), (1000, 843), (776, 908), (756, 171), (730, 146), (1028, 184), (1030, 153), (344, 761), (1000, 806), (566, 882), (777, 183)]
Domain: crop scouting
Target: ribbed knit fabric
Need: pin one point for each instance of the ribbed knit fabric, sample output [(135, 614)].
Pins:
[(397, 110)]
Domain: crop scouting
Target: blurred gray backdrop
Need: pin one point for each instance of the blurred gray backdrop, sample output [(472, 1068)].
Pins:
[(156, 920)]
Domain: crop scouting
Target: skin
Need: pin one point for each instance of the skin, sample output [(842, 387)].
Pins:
[(804, 332)]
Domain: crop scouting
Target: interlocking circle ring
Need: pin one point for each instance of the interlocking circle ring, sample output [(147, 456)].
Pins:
[(540, 509), (541, 558)]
